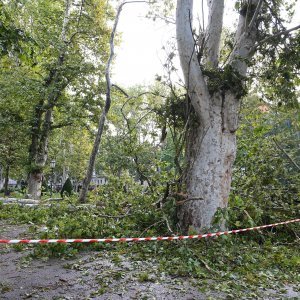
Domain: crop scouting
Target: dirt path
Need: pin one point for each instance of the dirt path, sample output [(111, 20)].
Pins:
[(92, 275)]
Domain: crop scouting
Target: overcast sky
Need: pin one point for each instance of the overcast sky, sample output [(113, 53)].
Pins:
[(140, 55)]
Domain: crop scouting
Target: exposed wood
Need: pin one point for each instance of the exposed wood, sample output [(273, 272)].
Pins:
[(17, 200)]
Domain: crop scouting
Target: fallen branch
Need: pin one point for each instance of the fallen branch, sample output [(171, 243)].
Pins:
[(154, 224), (17, 200), (286, 154), (115, 217)]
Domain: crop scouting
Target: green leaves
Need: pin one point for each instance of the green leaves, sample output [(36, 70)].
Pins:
[(265, 181)]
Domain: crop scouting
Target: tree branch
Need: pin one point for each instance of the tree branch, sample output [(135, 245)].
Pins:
[(252, 22), (283, 32), (61, 125), (244, 41), (194, 79), (213, 32), (120, 90), (286, 154)]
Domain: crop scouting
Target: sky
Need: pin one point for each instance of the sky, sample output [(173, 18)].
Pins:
[(140, 56)]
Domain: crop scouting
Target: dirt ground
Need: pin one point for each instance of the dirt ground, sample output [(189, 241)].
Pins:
[(93, 275)]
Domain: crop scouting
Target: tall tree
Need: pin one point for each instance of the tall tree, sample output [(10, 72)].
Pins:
[(68, 36), (215, 92), (54, 85), (98, 136)]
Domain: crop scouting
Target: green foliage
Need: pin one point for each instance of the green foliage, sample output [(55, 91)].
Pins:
[(266, 182), (226, 79), (39, 70), (11, 37), (236, 265), (239, 265), (280, 73)]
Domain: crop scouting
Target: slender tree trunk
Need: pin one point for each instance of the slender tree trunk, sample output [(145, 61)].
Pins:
[(89, 173), (6, 180), (90, 168)]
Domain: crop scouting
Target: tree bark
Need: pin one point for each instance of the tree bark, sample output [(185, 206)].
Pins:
[(41, 127), (91, 165), (210, 154), (35, 184), (89, 173), (211, 141)]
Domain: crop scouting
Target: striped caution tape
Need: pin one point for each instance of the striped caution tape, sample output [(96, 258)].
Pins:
[(166, 238)]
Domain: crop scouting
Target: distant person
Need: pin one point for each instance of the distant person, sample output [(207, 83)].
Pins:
[(23, 186)]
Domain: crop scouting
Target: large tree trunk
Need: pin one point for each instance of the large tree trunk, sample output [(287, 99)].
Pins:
[(211, 142), (40, 158), (35, 184), (210, 155)]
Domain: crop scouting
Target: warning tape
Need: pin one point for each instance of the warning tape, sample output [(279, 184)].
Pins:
[(166, 238)]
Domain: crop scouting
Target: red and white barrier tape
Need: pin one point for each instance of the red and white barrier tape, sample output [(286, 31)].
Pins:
[(166, 238)]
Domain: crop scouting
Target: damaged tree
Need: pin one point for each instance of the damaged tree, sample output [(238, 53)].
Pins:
[(215, 94)]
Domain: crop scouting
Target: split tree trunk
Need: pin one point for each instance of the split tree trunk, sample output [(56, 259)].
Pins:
[(211, 142)]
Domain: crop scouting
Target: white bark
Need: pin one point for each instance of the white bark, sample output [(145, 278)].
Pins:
[(194, 79), (213, 32), (66, 19), (35, 184), (211, 142), (245, 39), (211, 153)]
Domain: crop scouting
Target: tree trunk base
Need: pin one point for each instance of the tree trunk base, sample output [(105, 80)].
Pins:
[(210, 156), (35, 184)]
